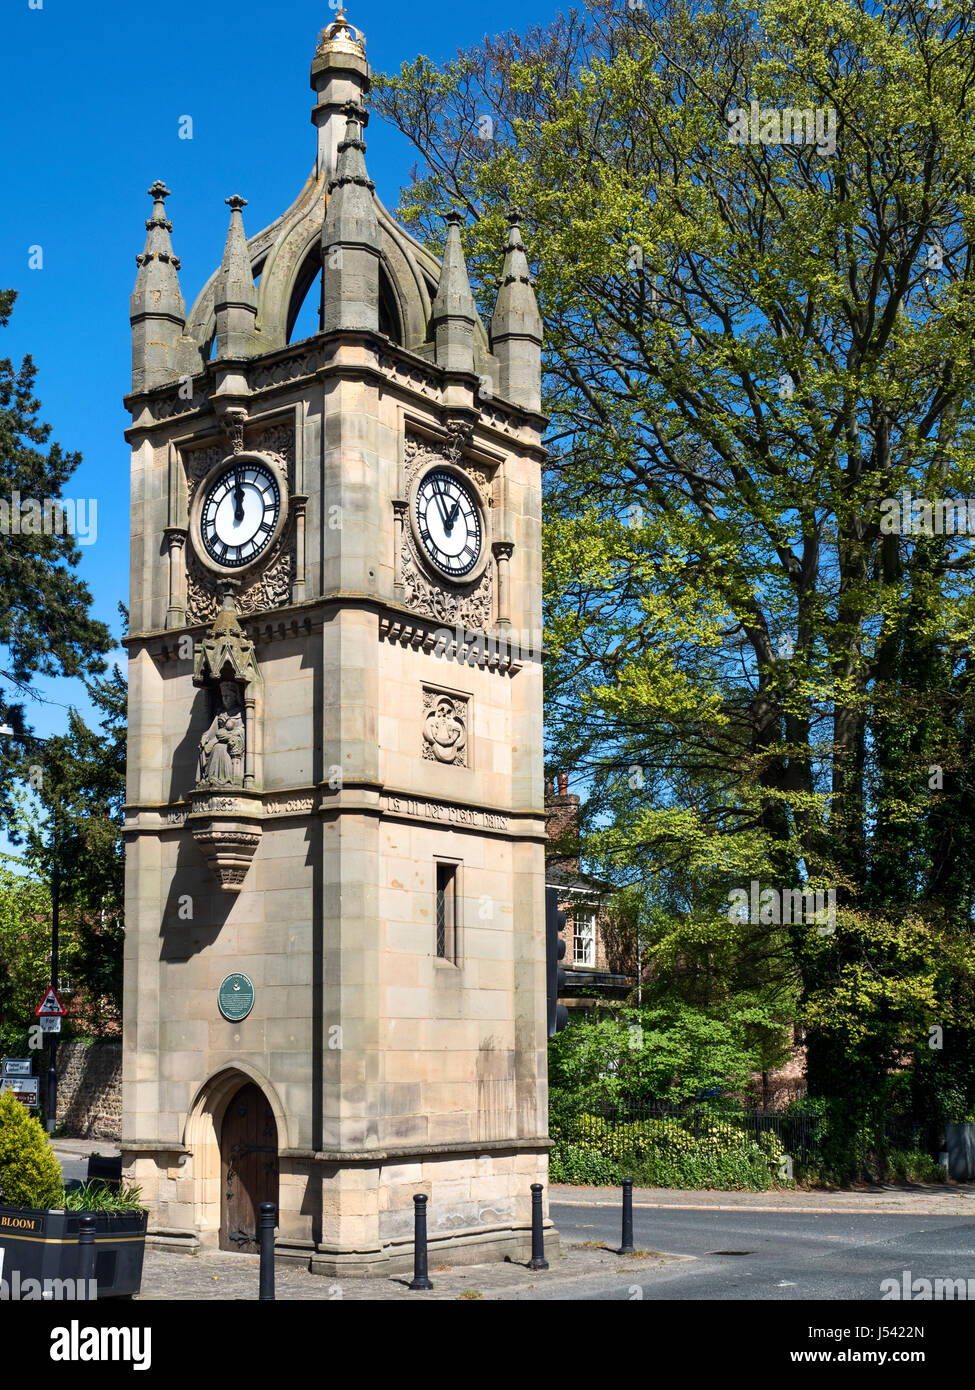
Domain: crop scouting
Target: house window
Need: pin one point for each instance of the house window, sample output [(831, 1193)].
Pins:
[(447, 911), (583, 937)]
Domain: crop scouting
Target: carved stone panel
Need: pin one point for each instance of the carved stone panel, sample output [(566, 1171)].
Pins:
[(446, 723)]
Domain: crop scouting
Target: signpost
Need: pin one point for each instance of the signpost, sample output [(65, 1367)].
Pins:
[(51, 1011), (50, 1005), (16, 1066), (25, 1088)]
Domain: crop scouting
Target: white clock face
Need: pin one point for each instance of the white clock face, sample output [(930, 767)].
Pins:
[(448, 520), (240, 513)]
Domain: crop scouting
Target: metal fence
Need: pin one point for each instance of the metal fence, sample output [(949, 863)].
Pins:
[(632, 1130)]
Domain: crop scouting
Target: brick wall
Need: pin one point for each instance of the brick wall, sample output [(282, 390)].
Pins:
[(90, 1090)]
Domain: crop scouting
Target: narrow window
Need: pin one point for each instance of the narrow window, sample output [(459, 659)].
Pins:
[(446, 911), (584, 937)]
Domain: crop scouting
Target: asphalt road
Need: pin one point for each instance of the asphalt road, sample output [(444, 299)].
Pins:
[(760, 1255)]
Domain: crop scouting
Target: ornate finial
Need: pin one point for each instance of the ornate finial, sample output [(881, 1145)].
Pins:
[(355, 113), (159, 193), (454, 218), (227, 588), (235, 202), (342, 35)]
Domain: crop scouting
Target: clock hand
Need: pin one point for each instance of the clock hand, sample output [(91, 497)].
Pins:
[(443, 510), (238, 496), (449, 523)]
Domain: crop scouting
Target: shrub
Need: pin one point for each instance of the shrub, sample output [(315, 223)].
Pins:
[(30, 1175), (693, 1151)]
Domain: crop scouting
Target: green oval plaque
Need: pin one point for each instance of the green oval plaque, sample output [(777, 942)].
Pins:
[(235, 997)]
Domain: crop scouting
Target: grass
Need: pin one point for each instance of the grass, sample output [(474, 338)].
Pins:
[(97, 1195)]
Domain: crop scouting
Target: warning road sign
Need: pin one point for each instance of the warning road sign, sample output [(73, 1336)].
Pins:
[(50, 1004)]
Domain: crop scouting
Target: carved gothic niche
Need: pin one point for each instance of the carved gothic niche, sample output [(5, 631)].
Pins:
[(226, 817), (446, 724), (470, 605)]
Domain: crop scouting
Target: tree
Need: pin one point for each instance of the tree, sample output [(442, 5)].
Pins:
[(45, 623), (78, 781), (753, 349)]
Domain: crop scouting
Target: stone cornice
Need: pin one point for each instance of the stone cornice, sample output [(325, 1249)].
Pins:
[(495, 650), (357, 796), (317, 358)]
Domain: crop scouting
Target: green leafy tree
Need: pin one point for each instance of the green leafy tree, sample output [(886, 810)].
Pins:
[(752, 349), (45, 623)]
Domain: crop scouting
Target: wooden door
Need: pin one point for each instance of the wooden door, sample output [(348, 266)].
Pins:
[(249, 1164)]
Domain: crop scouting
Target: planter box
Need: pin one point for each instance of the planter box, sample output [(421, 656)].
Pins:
[(43, 1244), (960, 1143)]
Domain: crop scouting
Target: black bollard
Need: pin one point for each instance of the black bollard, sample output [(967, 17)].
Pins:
[(86, 1253), (626, 1247), (538, 1260), (421, 1280), (269, 1213)]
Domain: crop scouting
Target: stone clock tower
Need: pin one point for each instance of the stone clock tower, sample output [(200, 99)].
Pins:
[(334, 972)]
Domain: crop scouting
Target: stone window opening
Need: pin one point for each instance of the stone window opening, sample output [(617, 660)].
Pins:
[(446, 912), (583, 937)]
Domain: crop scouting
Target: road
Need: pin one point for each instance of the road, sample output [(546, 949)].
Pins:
[(768, 1256)]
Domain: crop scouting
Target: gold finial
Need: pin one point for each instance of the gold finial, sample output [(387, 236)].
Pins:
[(341, 36)]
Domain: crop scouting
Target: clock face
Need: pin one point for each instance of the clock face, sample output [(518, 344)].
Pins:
[(240, 513), (448, 521)]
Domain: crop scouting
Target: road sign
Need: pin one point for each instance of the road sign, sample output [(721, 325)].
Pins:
[(50, 1023), (16, 1066), (23, 1087), (50, 1004)]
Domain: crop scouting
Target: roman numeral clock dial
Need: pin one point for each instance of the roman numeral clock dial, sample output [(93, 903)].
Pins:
[(240, 512), (448, 523)]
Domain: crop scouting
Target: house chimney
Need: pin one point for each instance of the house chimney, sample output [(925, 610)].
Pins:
[(562, 825)]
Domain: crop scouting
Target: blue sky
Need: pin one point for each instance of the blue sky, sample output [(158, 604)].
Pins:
[(91, 105)]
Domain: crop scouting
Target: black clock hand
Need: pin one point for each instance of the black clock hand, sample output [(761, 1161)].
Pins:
[(443, 510), (449, 523), (238, 496)]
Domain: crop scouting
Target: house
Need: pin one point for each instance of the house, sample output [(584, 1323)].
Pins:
[(596, 968)]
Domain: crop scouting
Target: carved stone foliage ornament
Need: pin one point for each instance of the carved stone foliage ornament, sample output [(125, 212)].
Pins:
[(471, 603), (267, 583), (227, 828), (445, 720)]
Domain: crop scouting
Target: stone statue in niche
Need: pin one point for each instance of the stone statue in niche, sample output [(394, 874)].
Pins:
[(445, 730), (221, 762)]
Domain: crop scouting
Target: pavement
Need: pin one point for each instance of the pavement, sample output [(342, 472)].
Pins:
[(219, 1274), (915, 1199)]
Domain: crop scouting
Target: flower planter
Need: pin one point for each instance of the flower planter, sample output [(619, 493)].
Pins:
[(960, 1143), (42, 1244)]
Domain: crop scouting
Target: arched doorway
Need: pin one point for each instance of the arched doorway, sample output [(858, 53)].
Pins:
[(248, 1166)]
